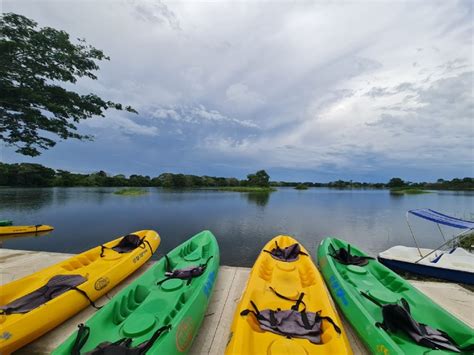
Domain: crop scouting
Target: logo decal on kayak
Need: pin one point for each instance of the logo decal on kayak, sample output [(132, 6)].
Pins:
[(139, 256), (209, 283), (101, 283), (381, 349), (5, 336), (184, 334), (323, 261), (338, 290)]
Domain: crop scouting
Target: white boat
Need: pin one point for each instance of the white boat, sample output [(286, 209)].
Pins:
[(449, 262)]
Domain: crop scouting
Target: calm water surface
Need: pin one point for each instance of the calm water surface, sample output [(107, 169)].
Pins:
[(374, 220)]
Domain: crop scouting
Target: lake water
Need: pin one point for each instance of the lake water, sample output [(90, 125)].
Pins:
[(374, 220)]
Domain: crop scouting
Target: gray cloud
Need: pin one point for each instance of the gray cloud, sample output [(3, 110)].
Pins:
[(242, 85), (198, 114), (155, 12)]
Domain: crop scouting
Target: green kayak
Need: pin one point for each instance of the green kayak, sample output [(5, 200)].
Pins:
[(381, 306), (157, 313), (5, 222)]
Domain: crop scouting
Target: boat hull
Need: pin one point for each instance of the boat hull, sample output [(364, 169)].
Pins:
[(10, 230), (458, 276)]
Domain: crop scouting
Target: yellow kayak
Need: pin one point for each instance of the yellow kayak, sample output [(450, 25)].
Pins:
[(25, 229), (35, 304), (285, 308)]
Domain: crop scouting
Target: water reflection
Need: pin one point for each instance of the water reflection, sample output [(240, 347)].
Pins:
[(242, 222), (26, 199), (259, 198), (5, 237)]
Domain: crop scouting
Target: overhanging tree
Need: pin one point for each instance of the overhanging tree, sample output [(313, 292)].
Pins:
[(34, 109)]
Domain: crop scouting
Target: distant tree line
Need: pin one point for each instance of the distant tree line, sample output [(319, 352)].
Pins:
[(466, 183), (27, 174), (338, 184)]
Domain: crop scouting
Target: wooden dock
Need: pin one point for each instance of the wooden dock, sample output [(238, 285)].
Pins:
[(214, 332)]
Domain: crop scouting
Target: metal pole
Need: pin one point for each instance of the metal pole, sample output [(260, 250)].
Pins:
[(442, 245), (440, 230), (413, 235)]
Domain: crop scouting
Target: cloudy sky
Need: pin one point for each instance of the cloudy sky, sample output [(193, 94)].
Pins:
[(310, 91)]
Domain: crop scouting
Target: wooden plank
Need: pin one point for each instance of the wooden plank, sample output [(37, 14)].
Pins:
[(17, 264), (204, 340), (221, 336)]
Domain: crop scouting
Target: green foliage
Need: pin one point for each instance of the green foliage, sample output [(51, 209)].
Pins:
[(396, 182), (32, 64), (260, 178), (466, 183), (131, 191), (252, 189), (467, 242), (340, 184), (408, 191), (139, 180), (301, 187), (26, 174)]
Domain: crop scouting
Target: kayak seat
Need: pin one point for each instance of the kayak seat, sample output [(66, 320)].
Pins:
[(120, 347), (56, 286), (186, 273), (397, 318), (291, 323), (127, 244), (344, 256), (289, 254)]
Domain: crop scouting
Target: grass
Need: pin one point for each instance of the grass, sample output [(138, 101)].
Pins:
[(467, 242), (131, 191), (408, 191), (301, 187), (246, 189)]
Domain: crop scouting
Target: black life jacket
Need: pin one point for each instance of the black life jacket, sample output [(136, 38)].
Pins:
[(398, 318), (55, 287), (291, 323), (187, 273), (345, 257), (120, 347), (127, 244), (288, 254)]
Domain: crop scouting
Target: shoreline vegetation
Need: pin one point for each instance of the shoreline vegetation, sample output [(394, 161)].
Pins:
[(251, 189), (467, 242), (408, 191), (131, 191), (37, 175), (301, 187)]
